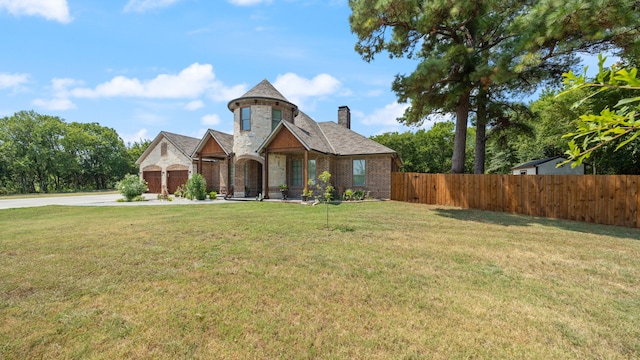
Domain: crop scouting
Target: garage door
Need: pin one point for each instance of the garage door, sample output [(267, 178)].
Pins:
[(154, 180), (176, 178)]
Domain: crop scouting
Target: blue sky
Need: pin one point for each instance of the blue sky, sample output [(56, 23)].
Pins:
[(142, 66)]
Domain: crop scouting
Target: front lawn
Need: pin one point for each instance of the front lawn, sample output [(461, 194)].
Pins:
[(388, 280)]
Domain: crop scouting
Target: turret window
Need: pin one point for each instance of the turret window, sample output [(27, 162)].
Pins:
[(276, 116), (245, 118)]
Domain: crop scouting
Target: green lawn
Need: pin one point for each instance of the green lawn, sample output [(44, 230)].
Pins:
[(387, 280)]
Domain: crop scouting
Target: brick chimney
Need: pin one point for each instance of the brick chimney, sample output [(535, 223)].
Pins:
[(344, 116)]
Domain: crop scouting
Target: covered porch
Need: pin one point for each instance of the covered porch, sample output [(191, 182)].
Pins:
[(214, 161), (287, 160)]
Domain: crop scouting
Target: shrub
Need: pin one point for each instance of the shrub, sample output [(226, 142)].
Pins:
[(131, 187), (348, 194), (213, 195), (196, 187), (180, 191), (358, 194)]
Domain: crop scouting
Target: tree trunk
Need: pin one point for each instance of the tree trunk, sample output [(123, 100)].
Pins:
[(460, 138), (481, 133)]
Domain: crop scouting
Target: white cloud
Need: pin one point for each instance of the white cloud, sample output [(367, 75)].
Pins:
[(61, 86), (60, 99), (56, 10), (144, 5), (14, 81), (131, 138), (385, 116), (57, 104), (189, 83), (194, 105), (298, 89), (248, 2), (220, 92), (211, 119)]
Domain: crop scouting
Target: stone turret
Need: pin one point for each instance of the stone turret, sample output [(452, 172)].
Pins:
[(254, 114)]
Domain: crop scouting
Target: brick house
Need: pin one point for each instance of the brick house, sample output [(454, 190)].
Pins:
[(273, 143)]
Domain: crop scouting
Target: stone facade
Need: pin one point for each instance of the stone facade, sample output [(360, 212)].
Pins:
[(165, 157), (245, 142)]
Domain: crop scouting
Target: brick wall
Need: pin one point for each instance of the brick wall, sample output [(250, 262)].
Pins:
[(211, 173), (377, 180), (378, 173)]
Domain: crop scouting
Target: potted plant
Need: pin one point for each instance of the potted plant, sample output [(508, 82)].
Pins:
[(306, 194), (284, 190)]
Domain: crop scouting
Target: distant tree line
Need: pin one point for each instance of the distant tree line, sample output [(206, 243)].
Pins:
[(42, 153)]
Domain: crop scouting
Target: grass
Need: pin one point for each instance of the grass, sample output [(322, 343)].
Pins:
[(268, 280)]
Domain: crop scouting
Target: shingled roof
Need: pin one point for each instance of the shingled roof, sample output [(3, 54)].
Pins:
[(535, 163), (225, 140), (329, 138), (348, 142), (264, 90), (185, 144)]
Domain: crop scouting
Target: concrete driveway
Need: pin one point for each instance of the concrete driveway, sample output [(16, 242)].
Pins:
[(97, 200)]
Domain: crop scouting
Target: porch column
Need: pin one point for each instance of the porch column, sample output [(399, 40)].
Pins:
[(265, 168), (229, 184), (305, 171)]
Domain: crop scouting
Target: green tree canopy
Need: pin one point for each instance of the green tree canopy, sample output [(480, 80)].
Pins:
[(612, 122), (41, 153), (427, 151), (470, 51)]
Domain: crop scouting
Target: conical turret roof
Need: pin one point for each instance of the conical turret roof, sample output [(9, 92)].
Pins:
[(264, 90)]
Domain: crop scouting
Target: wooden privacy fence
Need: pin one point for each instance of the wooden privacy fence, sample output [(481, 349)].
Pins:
[(602, 199)]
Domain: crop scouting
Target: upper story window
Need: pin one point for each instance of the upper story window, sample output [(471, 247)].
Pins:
[(359, 172), (276, 116), (245, 118)]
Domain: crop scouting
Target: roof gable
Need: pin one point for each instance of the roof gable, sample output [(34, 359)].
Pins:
[(285, 140), (184, 144), (325, 137), (214, 143)]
